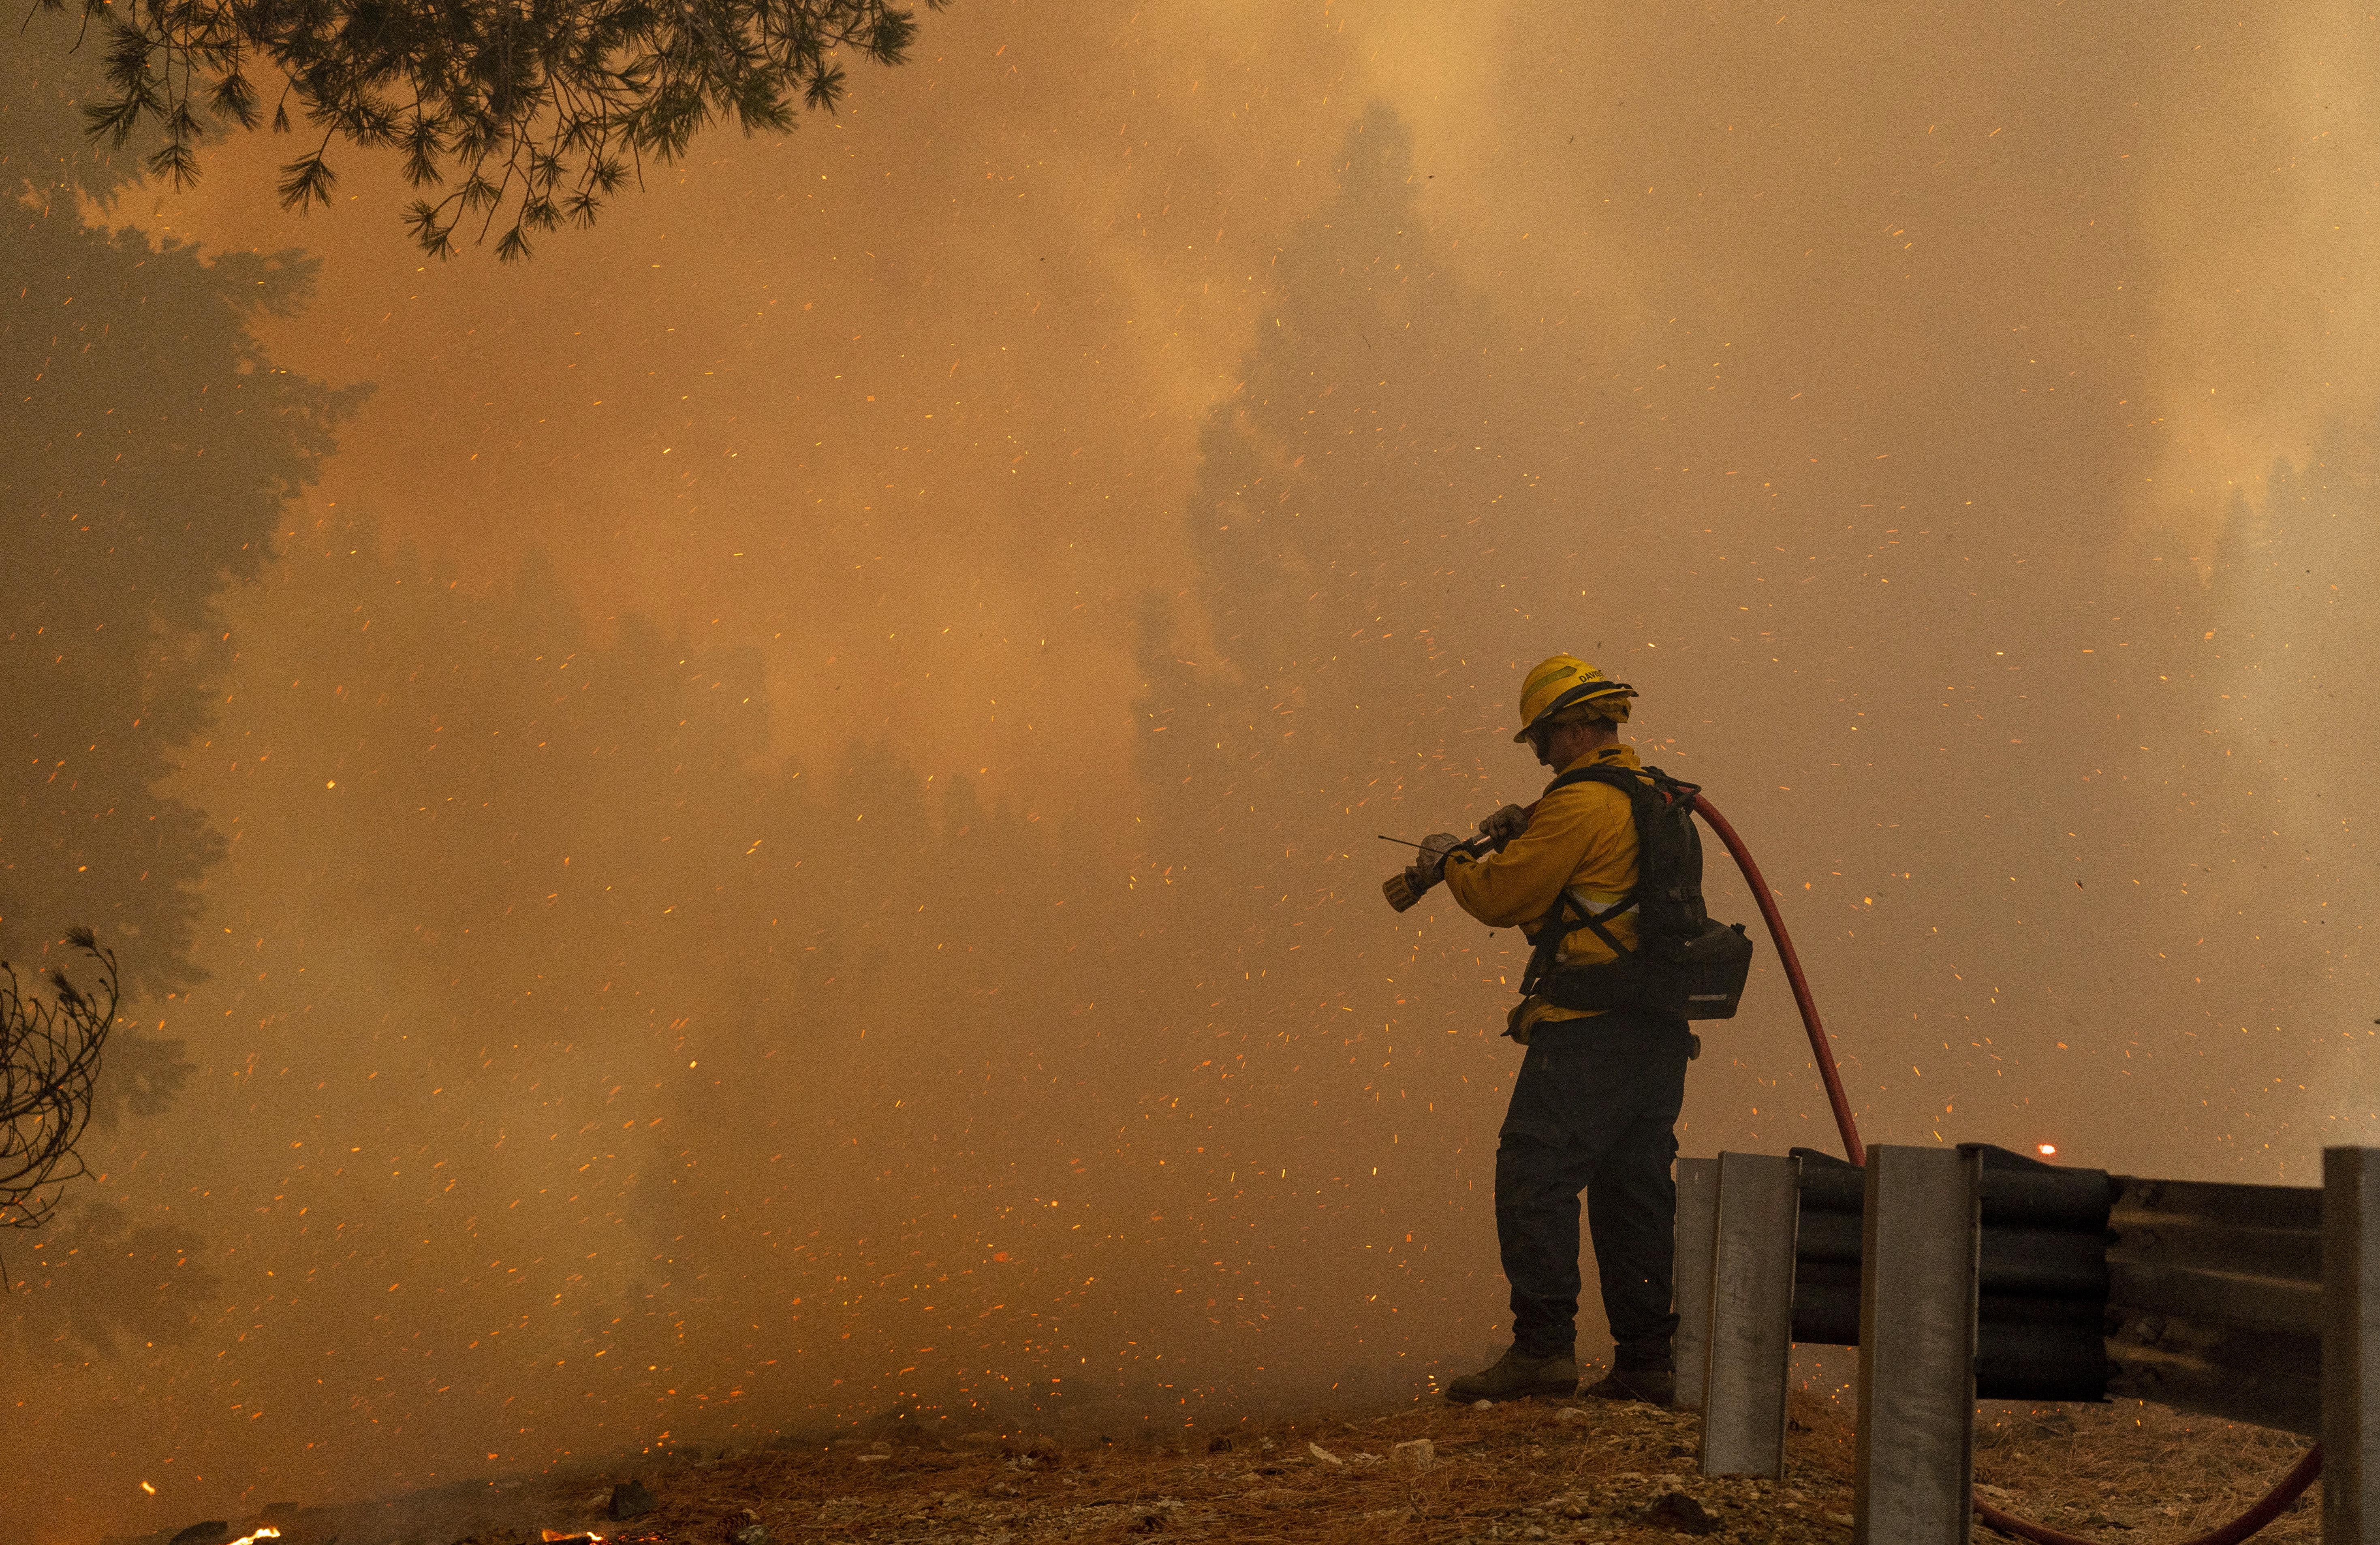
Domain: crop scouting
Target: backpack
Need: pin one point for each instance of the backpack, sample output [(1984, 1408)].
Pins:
[(1684, 966)]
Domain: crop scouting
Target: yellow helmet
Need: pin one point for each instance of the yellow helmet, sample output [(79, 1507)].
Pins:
[(1566, 682)]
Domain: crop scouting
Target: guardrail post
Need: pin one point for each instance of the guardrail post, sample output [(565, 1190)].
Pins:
[(1697, 1217), (1915, 1452), (2351, 1346), (1751, 1347)]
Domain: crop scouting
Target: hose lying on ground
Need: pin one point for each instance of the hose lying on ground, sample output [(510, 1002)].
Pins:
[(2274, 1502)]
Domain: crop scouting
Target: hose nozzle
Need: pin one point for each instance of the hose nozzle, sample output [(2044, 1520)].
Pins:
[(1408, 887)]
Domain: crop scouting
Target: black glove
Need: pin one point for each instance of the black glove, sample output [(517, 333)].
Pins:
[(1505, 824)]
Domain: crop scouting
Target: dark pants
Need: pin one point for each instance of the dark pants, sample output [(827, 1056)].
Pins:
[(1594, 1109)]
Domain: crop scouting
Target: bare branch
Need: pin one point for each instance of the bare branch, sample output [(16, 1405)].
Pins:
[(49, 1065)]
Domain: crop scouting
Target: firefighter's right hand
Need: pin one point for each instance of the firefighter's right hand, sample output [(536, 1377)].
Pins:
[(1434, 849), (1505, 824)]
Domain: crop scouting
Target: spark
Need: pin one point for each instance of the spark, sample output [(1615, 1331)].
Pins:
[(2046, 1149), (146, 1487)]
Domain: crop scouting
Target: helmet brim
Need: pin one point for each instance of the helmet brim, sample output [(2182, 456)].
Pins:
[(1585, 692)]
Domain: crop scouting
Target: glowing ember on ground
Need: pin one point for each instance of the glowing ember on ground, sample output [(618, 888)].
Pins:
[(267, 1532)]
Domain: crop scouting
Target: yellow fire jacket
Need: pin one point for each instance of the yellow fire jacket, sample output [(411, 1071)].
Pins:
[(1583, 839)]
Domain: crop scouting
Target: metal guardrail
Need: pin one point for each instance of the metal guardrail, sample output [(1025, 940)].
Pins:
[(2042, 1276), (2078, 1284), (2215, 1300)]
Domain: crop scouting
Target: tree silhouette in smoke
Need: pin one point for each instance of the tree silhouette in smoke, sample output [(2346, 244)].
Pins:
[(91, 1289), (540, 108), (1352, 494), (145, 461), (143, 469)]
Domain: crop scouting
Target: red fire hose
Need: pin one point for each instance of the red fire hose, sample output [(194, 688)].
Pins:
[(2273, 1502), (1854, 1150)]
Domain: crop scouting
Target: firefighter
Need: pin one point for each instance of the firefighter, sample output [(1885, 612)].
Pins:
[(1595, 1102)]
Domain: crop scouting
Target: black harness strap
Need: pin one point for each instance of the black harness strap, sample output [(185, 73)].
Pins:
[(1568, 913)]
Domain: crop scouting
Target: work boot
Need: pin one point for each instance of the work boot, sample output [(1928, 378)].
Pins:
[(1652, 1386), (1518, 1376)]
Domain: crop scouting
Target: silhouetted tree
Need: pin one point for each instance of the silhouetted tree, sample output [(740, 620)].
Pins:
[(149, 450), (539, 108), (1349, 495), (100, 1284)]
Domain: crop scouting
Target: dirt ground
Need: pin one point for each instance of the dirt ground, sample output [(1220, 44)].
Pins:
[(1578, 1470)]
